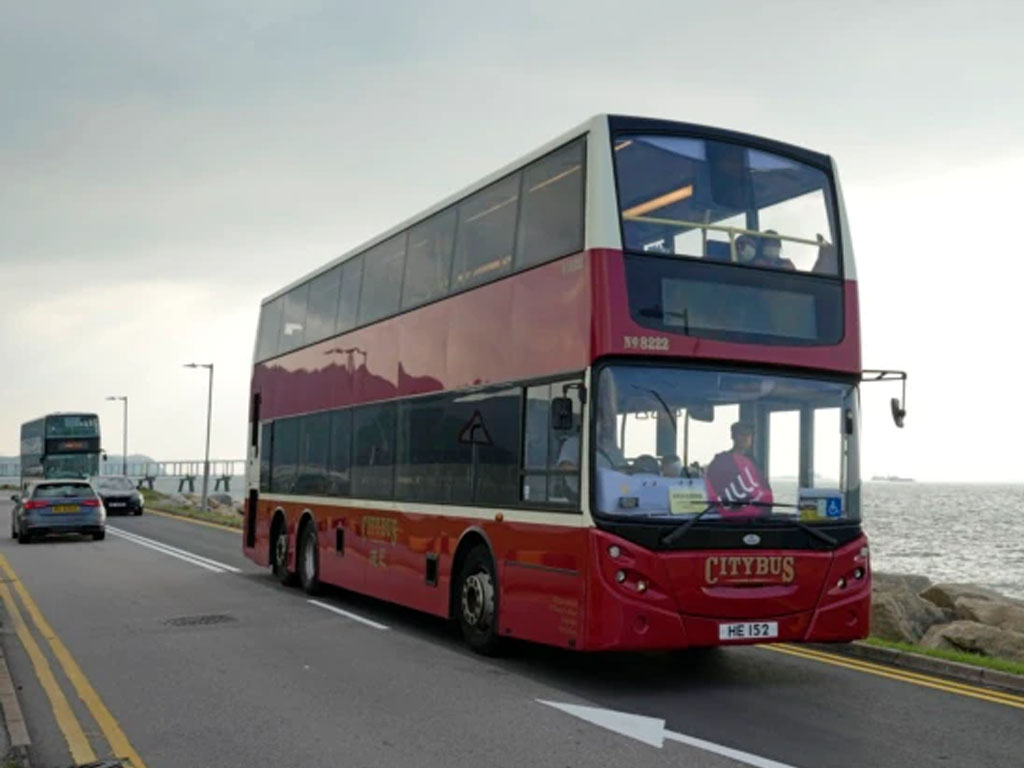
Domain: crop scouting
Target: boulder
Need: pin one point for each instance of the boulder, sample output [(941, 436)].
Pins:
[(1004, 614), (974, 637), (946, 595), (223, 499), (899, 614), (887, 582)]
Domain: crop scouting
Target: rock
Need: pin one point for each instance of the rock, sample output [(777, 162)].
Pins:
[(899, 614), (223, 499), (1003, 614), (946, 595), (974, 637), (177, 498), (212, 503), (887, 582)]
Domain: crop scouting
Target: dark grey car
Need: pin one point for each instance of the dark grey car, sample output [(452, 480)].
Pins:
[(119, 494)]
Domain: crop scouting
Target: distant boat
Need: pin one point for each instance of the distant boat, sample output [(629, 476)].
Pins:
[(891, 479)]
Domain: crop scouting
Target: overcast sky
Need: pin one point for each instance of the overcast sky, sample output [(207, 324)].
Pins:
[(162, 168)]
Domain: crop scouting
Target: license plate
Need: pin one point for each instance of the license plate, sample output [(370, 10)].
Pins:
[(749, 630), (116, 503), (65, 508)]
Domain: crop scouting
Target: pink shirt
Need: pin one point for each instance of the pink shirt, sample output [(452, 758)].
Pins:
[(733, 477)]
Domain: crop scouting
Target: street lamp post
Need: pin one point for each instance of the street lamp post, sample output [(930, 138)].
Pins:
[(209, 413), (124, 434)]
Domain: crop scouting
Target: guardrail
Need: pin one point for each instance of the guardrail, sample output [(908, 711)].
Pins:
[(186, 471)]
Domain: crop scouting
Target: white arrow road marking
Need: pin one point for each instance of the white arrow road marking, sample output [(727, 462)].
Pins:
[(181, 554), (651, 731), (347, 614)]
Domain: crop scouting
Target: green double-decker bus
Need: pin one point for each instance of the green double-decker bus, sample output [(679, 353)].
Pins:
[(60, 445)]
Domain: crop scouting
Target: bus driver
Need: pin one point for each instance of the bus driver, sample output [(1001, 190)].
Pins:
[(733, 476)]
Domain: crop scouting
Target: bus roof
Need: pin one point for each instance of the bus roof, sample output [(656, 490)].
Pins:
[(603, 123)]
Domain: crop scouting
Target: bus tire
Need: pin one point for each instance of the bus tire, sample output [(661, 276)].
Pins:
[(279, 564), (309, 560), (477, 608)]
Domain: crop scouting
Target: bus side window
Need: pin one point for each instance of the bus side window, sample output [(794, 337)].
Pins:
[(551, 457)]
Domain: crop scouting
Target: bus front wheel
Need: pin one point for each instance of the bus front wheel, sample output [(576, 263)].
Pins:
[(478, 602)]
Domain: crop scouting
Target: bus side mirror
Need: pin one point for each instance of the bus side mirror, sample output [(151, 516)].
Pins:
[(898, 412), (898, 405), (561, 414)]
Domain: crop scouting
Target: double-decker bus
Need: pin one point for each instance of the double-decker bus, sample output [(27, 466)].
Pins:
[(605, 398), (60, 445)]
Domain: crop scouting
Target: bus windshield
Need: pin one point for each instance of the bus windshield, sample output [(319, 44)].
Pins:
[(671, 442), (78, 465), (724, 202)]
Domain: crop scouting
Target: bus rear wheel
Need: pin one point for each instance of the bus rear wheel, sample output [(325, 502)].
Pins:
[(279, 564), (477, 610), (309, 561)]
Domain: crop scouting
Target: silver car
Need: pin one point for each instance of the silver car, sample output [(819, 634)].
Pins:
[(58, 506)]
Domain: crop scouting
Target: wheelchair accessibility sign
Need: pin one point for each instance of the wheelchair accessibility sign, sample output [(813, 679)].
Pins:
[(834, 507)]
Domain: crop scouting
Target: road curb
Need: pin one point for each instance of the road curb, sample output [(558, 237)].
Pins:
[(916, 662), (14, 720), (198, 521)]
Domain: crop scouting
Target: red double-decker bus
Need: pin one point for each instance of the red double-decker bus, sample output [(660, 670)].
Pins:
[(605, 398)]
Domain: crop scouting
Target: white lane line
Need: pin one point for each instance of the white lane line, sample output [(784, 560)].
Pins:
[(163, 551), (181, 554), (347, 614), (186, 553)]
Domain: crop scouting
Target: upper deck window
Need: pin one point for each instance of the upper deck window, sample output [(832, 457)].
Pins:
[(429, 260), (293, 324), (322, 309), (551, 219), (383, 266), (73, 425), (724, 202), (486, 234)]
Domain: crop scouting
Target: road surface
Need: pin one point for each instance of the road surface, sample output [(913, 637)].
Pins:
[(167, 645)]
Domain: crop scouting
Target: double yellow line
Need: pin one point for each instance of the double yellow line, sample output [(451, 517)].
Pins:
[(894, 673), (78, 742)]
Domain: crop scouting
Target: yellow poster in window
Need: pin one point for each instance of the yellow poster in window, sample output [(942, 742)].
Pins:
[(687, 498)]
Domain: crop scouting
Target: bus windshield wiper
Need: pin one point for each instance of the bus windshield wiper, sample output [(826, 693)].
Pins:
[(678, 532)]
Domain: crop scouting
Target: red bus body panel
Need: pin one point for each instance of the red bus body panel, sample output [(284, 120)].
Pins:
[(557, 582), (558, 585)]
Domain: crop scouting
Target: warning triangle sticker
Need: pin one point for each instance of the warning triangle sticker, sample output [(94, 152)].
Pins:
[(474, 432)]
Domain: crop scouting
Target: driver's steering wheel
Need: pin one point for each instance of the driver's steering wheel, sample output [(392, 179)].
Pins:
[(645, 464)]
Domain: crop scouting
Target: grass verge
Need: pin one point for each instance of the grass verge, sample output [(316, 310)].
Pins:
[(161, 503), (974, 659)]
